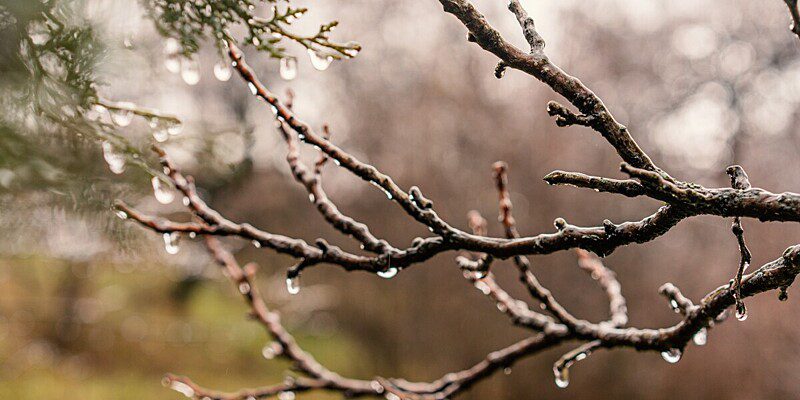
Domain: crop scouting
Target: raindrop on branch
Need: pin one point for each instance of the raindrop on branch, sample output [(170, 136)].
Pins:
[(121, 214), (293, 285), (288, 68), (741, 312), (561, 377), (672, 355), (389, 273), (701, 337), (182, 388), (190, 71), (172, 63), (222, 71), (160, 135), (121, 117), (244, 288), (319, 61), (253, 89), (171, 242), (288, 395), (115, 160), (271, 350), (162, 192), (175, 128)]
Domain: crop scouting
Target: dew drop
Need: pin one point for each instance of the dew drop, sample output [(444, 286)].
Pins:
[(288, 68), (271, 350), (172, 63), (175, 129), (244, 288), (319, 60), (115, 160), (192, 235), (256, 244), (311, 197), (162, 191), (672, 355), (389, 273), (288, 395), (222, 71), (186, 201), (293, 285), (190, 71), (674, 305), (561, 377), (507, 371), (121, 214), (701, 337), (160, 135), (121, 118), (253, 89), (171, 46), (741, 312), (376, 386), (182, 388), (171, 242)]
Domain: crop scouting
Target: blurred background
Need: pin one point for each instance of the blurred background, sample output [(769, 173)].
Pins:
[(92, 306)]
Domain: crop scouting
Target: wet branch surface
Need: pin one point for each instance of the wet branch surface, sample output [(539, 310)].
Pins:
[(549, 322)]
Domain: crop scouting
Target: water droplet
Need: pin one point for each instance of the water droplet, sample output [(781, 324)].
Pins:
[(160, 135), (319, 60), (186, 201), (674, 305), (121, 214), (190, 71), (222, 71), (162, 191), (253, 89), (175, 129), (182, 388), (562, 377), (171, 46), (286, 395), (271, 350), (256, 244), (122, 118), (244, 288), (311, 197), (741, 312), (172, 63), (377, 387), (392, 396), (171, 242), (701, 337), (507, 370), (192, 235), (389, 273), (288, 68), (115, 160), (672, 355), (293, 285)]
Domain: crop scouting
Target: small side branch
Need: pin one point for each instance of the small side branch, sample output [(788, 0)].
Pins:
[(739, 180)]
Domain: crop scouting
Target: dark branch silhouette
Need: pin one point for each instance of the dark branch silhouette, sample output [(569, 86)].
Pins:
[(550, 323)]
